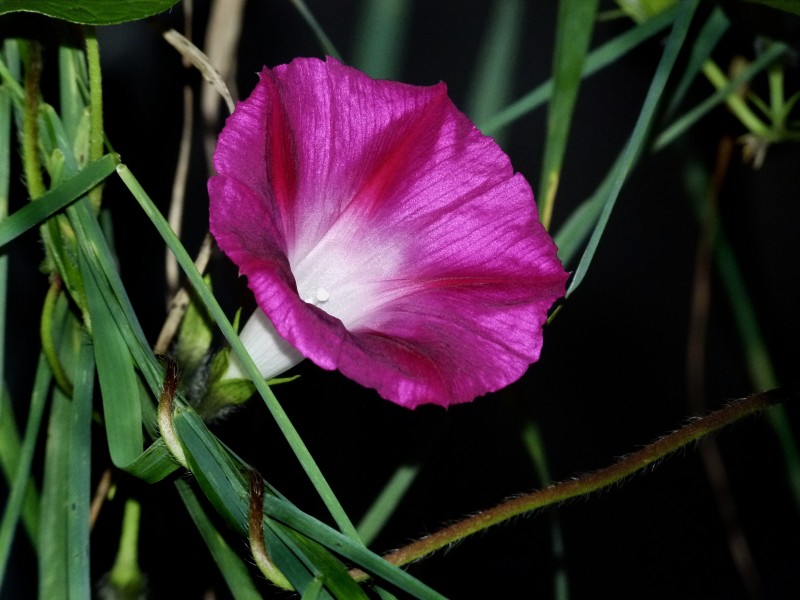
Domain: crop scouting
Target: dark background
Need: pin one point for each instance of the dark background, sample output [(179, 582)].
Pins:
[(613, 371)]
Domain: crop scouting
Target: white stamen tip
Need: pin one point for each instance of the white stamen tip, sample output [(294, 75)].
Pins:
[(323, 295)]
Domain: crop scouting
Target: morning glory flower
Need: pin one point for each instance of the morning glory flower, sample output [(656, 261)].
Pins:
[(382, 234)]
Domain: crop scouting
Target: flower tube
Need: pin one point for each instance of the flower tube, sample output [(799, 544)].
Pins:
[(382, 235)]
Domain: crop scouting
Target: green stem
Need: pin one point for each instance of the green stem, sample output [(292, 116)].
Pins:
[(95, 109), (48, 341), (126, 577), (31, 163), (597, 480)]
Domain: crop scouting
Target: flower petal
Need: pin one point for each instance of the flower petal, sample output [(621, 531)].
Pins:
[(383, 234)]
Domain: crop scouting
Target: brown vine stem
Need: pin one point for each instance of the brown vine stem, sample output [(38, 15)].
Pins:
[(597, 480)]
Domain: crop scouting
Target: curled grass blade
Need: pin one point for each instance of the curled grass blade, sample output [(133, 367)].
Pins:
[(638, 137), (216, 313), (683, 123)]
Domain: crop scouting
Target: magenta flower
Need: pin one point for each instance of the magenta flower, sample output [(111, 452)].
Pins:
[(382, 235)]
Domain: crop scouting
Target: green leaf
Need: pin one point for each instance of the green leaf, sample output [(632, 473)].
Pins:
[(230, 565), (638, 137), (387, 501), (334, 576), (67, 192), (89, 12), (598, 59), (154, 464), (573, 33), (53, 571), (493, 76), (19, 484), (121, 404), (380, 37), (79, 471)]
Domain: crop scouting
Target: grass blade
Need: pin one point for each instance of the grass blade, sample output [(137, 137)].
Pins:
[(79, 482), (19, 485), (51, 202), (380, 37), (230, 565), (493, 76), (597, 60), (573, 33), (639, 136), (121, 404), (376, 517)]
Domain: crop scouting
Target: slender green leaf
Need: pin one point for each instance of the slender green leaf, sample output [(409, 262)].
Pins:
[(89, 12), (70, 190), (19, 484), (79, 481), (10, 454), (573, 33), (230, 565), (218, 476), (639, 136), (380, 37), (332, 572), (598, 59), (707, 39), (121, 404), (324, 41), (284, 512), (53, 570), (386, 503)]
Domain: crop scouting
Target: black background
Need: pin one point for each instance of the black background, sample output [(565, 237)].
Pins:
[(612, 374)]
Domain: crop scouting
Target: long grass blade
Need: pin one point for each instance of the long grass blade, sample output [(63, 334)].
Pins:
[(380, 37), (19, 484), (79, 481), (230, 565), (638, 138), (493, 76), (573, 33), (383, 507), (597, 60), (121, 404)]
